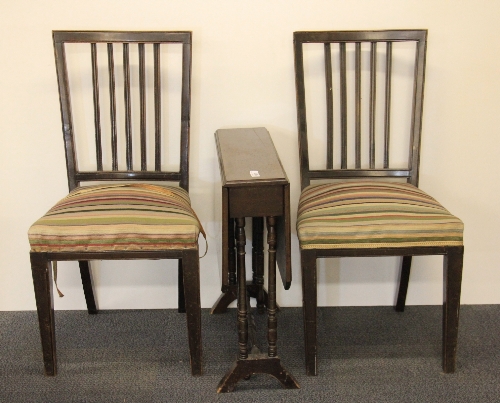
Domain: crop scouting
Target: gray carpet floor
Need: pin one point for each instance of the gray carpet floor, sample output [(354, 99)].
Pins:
[(366, 354)]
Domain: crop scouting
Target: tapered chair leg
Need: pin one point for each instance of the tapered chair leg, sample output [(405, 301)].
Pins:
[(309, 306), (42, 281), (191, 277), (181, 299), (88, 287), (453, 263), (404, 278)]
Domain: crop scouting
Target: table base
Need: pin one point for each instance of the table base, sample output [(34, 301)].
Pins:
[(256, 364)]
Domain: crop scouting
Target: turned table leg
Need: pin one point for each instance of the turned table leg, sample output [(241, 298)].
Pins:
[(242, 290), (254, 363), (258, 261), (272, 321)]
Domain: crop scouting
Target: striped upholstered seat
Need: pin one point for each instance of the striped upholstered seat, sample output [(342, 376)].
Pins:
[(117, 217), (371, 214)]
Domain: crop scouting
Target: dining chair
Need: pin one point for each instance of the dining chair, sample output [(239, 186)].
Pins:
[(136, 147), (367, 202)]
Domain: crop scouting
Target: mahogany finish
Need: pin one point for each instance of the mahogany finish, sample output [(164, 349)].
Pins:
[(242, 152), (189, 277), (453, 256)]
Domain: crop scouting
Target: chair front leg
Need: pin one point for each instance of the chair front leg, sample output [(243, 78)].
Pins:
[(453, 264), (191, 280), (404, 278), (309, 306), (181, 298), (88, 287), (42, 281)]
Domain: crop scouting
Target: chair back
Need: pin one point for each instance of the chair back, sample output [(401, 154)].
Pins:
[(131, 138), (374, 83)]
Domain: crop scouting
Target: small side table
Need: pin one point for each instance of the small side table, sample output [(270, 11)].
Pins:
[(255, 185)]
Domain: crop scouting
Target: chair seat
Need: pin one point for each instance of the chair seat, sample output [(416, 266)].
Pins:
[(372, 214), (117, 217)]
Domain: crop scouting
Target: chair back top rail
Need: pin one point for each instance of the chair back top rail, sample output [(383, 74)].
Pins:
[(352, 96), (112, 39)]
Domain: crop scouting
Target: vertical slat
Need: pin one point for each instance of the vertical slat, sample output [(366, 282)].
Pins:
[(329, 106), (157, 85), (97, 109), (357, 90), (373, 87), (112, 107), (185, 114), (142, 94), (387, 123), (343, 106), (128, 114)]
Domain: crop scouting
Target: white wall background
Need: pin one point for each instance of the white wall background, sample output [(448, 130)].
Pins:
[(243, 77)]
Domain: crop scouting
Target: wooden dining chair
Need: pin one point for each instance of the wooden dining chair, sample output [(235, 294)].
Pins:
[(130, 214), (371, 206)]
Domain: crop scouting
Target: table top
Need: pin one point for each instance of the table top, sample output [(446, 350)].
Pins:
[(247, 156)]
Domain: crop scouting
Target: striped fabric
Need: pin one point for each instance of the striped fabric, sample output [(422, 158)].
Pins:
[(371, 214), (117, 217)]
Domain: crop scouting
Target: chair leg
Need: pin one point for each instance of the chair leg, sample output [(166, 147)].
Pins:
[(453, 263), (181, 299), (88, 287), (191, 269), (309, 306), (404, 278), (42, 281)]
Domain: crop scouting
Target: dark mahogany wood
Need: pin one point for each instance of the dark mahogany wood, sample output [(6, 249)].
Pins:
[(246, 150), (243, 153), (357, 95), (387, 115), (452, 270), (258, 262), (329, 106), (257, 364), (453, 256), (127, 39), (181, 298), (309, 308), (88, 286), (128, 106), (188, 273), (157, 85), (254, 362), (404, 279), (42, 281), (242, 289), (272, 321), (191, 282), (97, 107)]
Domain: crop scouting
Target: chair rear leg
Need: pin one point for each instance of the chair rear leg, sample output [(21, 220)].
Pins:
[(453, 264), (181, 303), (191, 277), (309, 306), (42, 281), (404, 278), (88, 287)]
